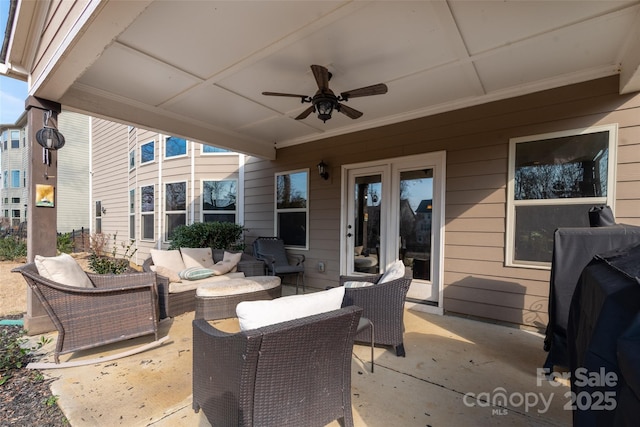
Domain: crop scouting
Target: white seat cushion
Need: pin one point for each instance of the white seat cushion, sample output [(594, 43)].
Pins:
[(189, 285), (223, 288), (256, 314), (62, 269)]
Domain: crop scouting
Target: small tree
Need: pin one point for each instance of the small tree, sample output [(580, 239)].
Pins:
[(215, 235)]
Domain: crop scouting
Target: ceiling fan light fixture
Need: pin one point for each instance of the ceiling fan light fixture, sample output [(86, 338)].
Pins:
[(324, 106)]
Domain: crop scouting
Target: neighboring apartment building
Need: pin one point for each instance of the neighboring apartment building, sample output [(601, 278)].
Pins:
[(145, 184), (72, 190)]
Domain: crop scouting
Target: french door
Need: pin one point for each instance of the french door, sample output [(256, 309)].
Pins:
[(393, 210)]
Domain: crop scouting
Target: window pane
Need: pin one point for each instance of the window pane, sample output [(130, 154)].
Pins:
[(176, 196), (292, 228), (98, 225), (219, 195), (567, 167), (175, 146), (220, 218), (132, 159), (212, 149), (132, 201), (147, 199), (292, 190), (15, 178), (173, 221), (147, 152), (147, 226), (535, 225), (132, 227)]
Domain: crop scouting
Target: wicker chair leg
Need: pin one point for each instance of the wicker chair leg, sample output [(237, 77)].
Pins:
[(400, 350)]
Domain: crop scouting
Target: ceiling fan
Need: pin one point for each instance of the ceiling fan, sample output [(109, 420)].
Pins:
[(325, 101)]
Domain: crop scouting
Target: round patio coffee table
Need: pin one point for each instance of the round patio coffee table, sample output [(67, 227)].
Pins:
[(218, 300)]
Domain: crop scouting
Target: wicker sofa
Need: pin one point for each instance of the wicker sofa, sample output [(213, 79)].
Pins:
[(115, 308), (173, 303), (294, 373)]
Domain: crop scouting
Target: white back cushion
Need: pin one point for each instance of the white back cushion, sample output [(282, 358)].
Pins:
[(197, 257), (62, 269), (395, 271), (168, 259), (256, 314)]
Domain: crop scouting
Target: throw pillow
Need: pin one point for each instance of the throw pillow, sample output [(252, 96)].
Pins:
[(170, 259), (358, 250), (357, 284), (395, 271), (197, 257), (228, 264), (256, 314), (168, 273), (62, 269), (195, 273)]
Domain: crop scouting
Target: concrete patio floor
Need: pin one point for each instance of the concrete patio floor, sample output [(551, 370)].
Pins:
[(454, 369)]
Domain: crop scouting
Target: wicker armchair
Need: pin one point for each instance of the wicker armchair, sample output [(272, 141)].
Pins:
[(295, 373), (383, 305), (277, 260), (120, 307)]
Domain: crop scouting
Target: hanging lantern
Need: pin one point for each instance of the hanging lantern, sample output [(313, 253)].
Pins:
[(50, 138)]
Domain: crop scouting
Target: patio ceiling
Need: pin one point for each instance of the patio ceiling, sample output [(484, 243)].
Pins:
[(198, 69)]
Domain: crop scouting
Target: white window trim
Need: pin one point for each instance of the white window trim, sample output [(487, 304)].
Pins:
[(276, 211), (154, 152), (512, 204), (166, 212), (203, 211), (164, 148), (142, 213)]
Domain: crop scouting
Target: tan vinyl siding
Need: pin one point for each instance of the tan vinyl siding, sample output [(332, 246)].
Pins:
[(476, 140), (73, 173)]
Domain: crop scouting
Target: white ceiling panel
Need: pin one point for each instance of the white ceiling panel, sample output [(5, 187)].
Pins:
[(123, 72), (565, 50), (219, 107), (206, 37)]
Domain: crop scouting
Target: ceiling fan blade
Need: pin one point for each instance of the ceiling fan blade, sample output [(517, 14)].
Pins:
[(378, 89), (306, 113), (322, 77), (291, 95), (349, 112)]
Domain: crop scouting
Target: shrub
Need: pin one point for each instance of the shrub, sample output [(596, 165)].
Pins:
[(216, 235), (11, 248), (65, 243), (102, 262), (15, 353)]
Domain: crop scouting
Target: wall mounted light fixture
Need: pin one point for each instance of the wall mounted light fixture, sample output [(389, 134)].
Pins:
[(322, 170)]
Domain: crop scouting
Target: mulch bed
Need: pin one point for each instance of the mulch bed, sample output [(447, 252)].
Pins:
[(26, 399)]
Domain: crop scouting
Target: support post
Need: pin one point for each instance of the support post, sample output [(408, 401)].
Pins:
[(41, 221)]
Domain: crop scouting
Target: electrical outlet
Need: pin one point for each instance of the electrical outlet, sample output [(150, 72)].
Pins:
[(321, 267)]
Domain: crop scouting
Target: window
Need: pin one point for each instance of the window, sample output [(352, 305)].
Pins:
[(147, 152), (175, 147), (291, 208), (15, 217), (5, 179), (219, 201), (175, 207), (15, 139), (132, 160), (554, 179), (15, 200), (15, 178), (208, 149), (147, 209), (98, 217), (132, 214)]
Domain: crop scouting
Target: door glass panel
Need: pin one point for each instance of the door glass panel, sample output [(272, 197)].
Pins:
[(368, 199), (416, 205)]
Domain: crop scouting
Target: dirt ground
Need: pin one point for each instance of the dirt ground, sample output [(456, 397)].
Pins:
[(13, 288)]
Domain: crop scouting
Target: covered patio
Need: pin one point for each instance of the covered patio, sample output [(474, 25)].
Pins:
[(457, 371)]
